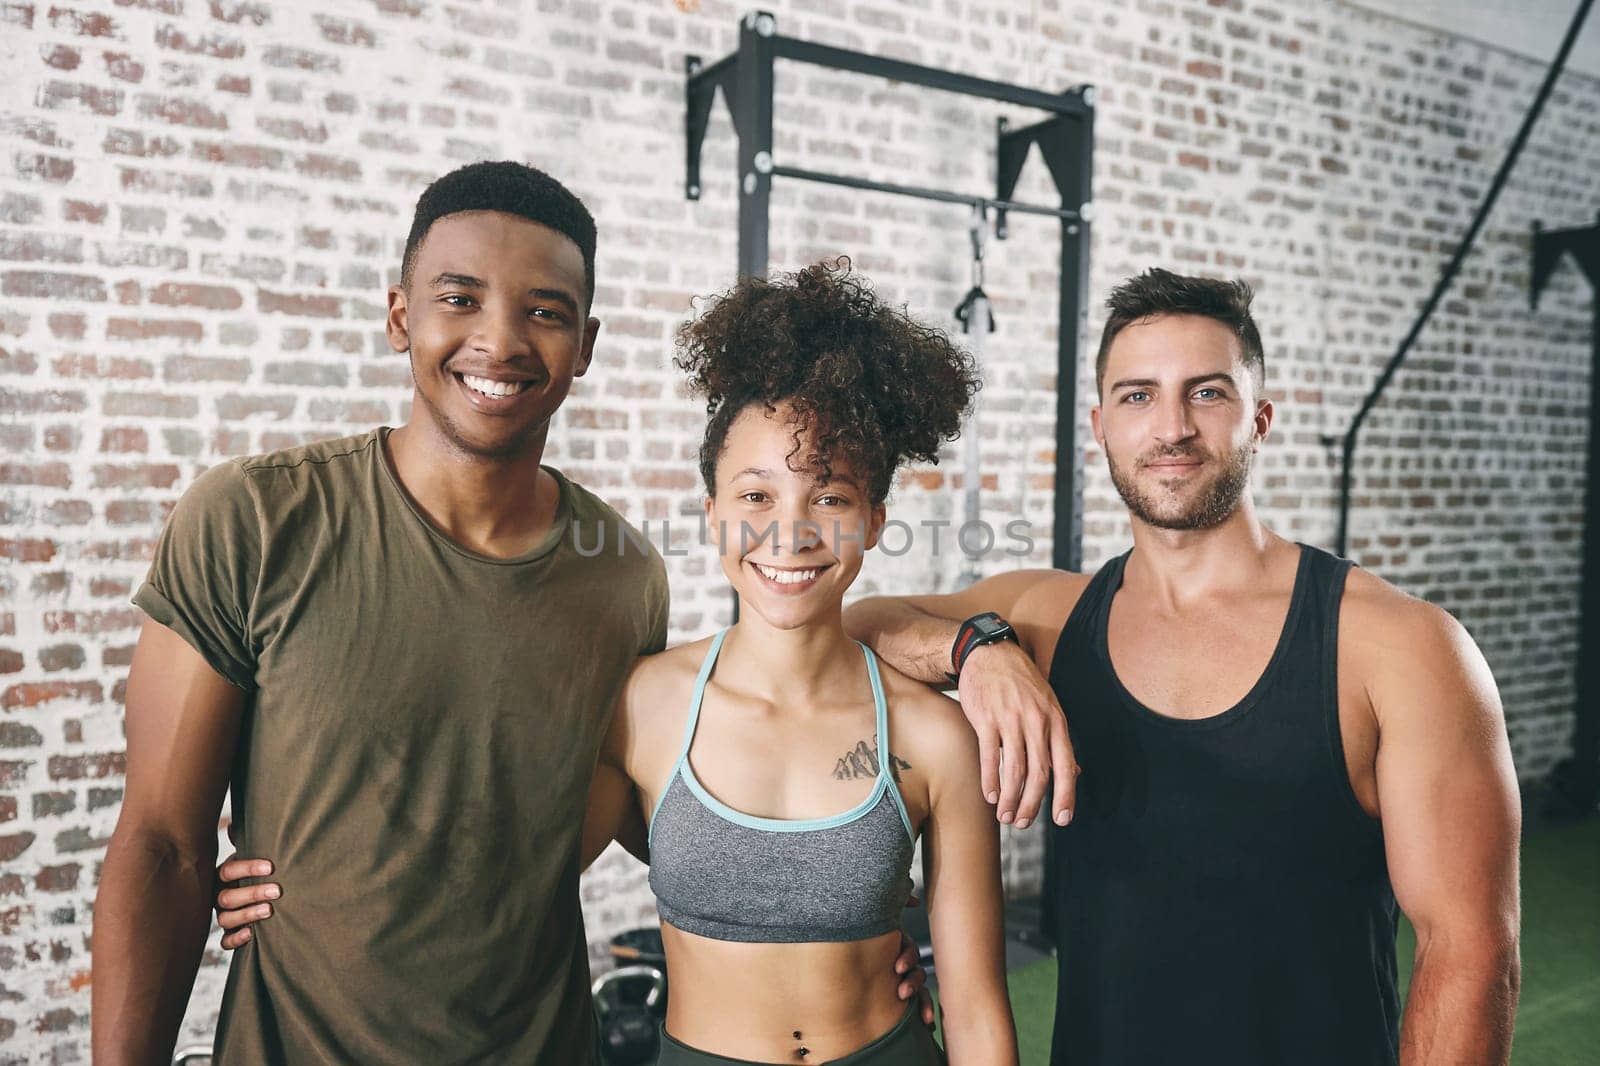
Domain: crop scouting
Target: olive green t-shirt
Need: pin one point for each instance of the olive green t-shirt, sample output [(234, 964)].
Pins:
[(419, 735)]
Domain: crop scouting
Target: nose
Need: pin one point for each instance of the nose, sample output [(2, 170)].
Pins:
[(1173, 422), (501, 335), (797, 531)]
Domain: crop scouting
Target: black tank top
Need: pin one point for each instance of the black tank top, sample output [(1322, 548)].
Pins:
[(1220, 896)]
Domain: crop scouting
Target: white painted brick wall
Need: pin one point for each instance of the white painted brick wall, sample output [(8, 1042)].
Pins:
[(200, 203)]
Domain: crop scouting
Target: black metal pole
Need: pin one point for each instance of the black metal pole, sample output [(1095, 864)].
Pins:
[(1348, 448)]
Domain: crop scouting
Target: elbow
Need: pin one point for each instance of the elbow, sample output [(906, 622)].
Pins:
[(160, 848)]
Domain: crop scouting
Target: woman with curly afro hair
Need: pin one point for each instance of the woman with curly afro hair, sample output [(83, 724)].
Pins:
[(785, 773)]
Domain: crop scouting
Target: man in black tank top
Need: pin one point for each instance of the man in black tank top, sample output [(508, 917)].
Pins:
[(1278, 752)]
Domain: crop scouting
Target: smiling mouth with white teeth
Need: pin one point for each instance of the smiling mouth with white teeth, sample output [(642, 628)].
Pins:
[(788, 577), (491, 388)]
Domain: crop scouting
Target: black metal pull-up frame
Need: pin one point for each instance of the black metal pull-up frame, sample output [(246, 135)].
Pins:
[(1066, 143), (1575, 782)]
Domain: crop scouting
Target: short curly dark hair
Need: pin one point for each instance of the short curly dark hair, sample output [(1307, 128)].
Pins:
[(876, 386), (511, 188)]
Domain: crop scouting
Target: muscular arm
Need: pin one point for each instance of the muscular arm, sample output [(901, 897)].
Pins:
[(1451, 821), (1022, 735), (961, 870), (153, 908), (914, 633)]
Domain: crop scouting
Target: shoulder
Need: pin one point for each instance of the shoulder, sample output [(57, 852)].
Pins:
[(662, 680), (926, 727), (601, 531), (1042, 610), (1403, 648)]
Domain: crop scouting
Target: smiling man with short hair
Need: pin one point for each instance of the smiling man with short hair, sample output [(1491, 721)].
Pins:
[(394, 644), (1277, 748)]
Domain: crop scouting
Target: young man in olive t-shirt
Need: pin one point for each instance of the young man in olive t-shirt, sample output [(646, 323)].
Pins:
[(396, 645)]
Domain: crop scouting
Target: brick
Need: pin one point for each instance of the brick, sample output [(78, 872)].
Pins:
[(83, 211), (88, 767), (67, 326), (313, 375), (235, 408), (149, 405), (181, 111), (123, 67), (208, 297), (54, 804), (19, 735), (184, 368), (42, 285), (40, 247), (77, 96), (215, 45), (82, 23), (344, 31), (299, 304), (49, 475), (55, 169), (235, 12), (103, 367), (34, 694), (20, 208), (100, 798), (35, 550), (56, 657), (14, 845), (135, 475), (11, 661), (60, 56), (144, 329)]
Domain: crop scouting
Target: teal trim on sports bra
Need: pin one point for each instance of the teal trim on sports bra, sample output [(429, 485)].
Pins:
[(784, 825)]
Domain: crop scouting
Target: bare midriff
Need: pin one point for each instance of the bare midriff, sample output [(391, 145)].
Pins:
[(799, 1003)]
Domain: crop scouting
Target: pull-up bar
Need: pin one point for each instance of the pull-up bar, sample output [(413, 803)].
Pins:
[(1065, 140)]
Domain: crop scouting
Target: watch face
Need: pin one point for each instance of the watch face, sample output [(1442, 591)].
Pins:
[(990, 627)]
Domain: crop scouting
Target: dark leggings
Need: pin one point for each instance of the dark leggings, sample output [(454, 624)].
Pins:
[(908, 1044)]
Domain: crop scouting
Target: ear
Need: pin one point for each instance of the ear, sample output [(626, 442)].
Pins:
[(875, 525), (591, 330), (713, 534), (395, 323), (1099, 430), (1263, 423)]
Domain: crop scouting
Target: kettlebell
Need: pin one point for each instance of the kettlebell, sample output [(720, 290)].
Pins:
[(628, 1023)]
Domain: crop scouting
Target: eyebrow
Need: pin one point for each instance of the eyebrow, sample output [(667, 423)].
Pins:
[(1189, 383), (467, 281), (844, 479)]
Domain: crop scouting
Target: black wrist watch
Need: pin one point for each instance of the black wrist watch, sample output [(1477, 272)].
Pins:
[(975, 632)]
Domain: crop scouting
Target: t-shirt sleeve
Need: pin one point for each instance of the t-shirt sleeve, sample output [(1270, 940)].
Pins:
[(205, 571)]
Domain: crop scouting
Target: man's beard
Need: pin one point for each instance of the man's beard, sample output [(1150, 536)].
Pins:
[(1210, 506)]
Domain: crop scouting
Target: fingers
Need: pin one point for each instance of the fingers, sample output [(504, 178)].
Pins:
[(912, 983), (232, 899), (908, 954), (1013, 768), (925, 1000), (234, 868), (1064, 765), (233, 919), (988, 758), (237, 939), (1036, 776)]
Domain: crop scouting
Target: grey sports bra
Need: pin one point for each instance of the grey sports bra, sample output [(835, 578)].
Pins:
[(721, 873)]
